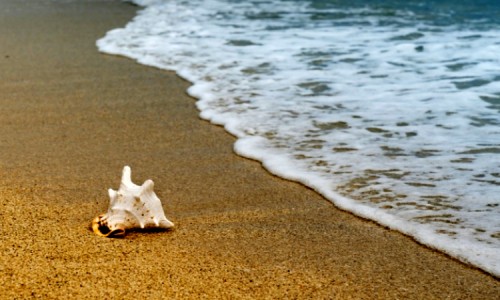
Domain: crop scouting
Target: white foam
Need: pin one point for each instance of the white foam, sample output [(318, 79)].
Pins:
[(385, 121)]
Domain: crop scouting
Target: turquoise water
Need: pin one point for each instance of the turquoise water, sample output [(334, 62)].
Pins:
[(389, 109)]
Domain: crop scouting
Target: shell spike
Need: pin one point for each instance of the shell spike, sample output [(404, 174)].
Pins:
[(126, 175), (166, 224), (147, 186), (112, 194)]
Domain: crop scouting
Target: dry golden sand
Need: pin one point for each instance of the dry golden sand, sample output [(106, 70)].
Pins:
[(71, 118)]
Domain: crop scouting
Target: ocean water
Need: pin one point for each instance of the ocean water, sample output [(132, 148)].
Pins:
[(389, 109)]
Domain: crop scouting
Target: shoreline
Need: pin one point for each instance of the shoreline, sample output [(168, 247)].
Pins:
[(71, 118)]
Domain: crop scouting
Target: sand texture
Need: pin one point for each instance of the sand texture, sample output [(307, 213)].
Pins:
[(71, 118)]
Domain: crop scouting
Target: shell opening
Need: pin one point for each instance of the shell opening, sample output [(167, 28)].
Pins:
[(101, 228)]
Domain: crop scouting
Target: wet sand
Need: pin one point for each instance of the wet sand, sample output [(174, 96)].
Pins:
[(71, 118)]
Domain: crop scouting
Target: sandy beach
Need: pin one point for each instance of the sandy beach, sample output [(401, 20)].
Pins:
[(71, 118)]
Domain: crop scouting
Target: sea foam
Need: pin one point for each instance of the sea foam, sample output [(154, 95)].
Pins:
[(390, 114)]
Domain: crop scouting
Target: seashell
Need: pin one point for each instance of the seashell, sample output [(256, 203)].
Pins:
[(131, 207)]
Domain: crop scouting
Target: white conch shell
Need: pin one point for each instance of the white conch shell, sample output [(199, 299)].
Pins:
[(131, 207)]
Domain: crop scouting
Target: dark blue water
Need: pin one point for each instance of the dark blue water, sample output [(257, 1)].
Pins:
[(435, 12)]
